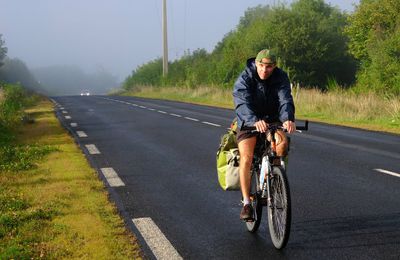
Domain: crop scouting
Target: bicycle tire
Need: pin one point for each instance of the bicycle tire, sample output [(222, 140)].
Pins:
[(279, 208), (257, 206)]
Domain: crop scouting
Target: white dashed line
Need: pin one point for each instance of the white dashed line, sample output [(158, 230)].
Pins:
[(81, 134), (67, 117), (92, 149), (62, 108), (155, 239), (74, 124), (193, 119), (208, 123), (112, 177), (388, 172), (172, 114), (64, 112)]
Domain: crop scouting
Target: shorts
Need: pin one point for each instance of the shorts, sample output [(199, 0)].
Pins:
[(241, 135)]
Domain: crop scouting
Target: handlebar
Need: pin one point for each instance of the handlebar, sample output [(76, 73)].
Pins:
[(305, 127), (276, 127)]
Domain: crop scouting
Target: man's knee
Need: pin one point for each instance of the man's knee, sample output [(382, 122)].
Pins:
[(246, 158), (246, 150)]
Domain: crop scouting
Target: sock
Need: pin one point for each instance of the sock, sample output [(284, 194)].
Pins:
[(246, 201)]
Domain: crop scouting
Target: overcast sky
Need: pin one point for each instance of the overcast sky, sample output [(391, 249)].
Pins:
[(117, 35)]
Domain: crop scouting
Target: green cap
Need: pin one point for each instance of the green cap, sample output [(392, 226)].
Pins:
[(266, 54)]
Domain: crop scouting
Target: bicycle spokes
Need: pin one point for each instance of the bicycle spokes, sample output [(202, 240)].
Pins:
[(278, 207)]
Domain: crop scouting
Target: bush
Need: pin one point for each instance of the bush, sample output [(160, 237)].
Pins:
[(12, 105)]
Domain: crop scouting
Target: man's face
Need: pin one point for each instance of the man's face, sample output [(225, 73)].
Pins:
[(265, 68)]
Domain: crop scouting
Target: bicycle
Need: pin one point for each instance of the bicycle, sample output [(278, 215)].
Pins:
[(270, 189)]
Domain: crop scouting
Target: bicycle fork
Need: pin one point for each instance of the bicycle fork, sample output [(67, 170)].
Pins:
[(265, 179)]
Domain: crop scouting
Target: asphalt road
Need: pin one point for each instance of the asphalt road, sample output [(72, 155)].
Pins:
[(159, 159)]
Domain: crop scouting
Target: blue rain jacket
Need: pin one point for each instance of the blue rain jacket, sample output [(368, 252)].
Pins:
[(257, 99)]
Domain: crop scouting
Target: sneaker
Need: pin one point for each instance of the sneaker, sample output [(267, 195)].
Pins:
[(247, 212)]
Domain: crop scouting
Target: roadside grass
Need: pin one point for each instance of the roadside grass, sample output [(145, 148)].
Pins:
[(58, 208), (367, 111)]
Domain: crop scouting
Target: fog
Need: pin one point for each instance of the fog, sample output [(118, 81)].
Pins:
[(116, 36)]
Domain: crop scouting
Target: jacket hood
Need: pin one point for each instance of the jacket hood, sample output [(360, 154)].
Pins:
[(251, 67)]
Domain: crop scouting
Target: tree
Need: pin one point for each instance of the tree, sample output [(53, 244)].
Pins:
[(3, 51), (16, 71), (307, 37), (309, 40), (374, 32)]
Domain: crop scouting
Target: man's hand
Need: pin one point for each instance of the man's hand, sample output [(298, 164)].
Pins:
[(290, 126), (261, 126)]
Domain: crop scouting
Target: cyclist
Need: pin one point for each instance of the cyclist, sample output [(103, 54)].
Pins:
[(261, 91)]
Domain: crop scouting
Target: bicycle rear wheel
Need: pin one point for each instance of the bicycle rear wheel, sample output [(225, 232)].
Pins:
[(279, 208), (255, 196)]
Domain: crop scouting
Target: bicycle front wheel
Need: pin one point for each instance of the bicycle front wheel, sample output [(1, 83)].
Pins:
[(279, 208)]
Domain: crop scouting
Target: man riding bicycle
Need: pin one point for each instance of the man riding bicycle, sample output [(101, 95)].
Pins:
[(261, 92)]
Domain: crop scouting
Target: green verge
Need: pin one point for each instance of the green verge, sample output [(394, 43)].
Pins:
[(52, 203), (366, 111)]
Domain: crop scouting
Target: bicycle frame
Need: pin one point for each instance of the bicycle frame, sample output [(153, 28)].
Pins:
[(271, 159)]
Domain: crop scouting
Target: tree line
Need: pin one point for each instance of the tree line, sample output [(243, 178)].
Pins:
[(317, 44)]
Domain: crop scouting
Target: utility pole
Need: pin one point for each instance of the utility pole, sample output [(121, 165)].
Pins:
[(165, 39)]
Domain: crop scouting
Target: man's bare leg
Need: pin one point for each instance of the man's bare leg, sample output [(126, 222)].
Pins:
[(246, 151)]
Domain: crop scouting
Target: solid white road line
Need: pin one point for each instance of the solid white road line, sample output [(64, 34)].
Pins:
[(92, 149), (388, 172), (192, 119), (74, 124), (67, 117), (81, 134), (112, 177), (155, 239), (208, 123)]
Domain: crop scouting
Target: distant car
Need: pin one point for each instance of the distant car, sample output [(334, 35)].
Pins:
[(85, 93)]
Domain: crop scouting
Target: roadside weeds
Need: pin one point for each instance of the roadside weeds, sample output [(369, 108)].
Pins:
[(59, 208)]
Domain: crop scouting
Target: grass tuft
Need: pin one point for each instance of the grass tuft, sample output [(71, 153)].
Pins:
[(22, 157)]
